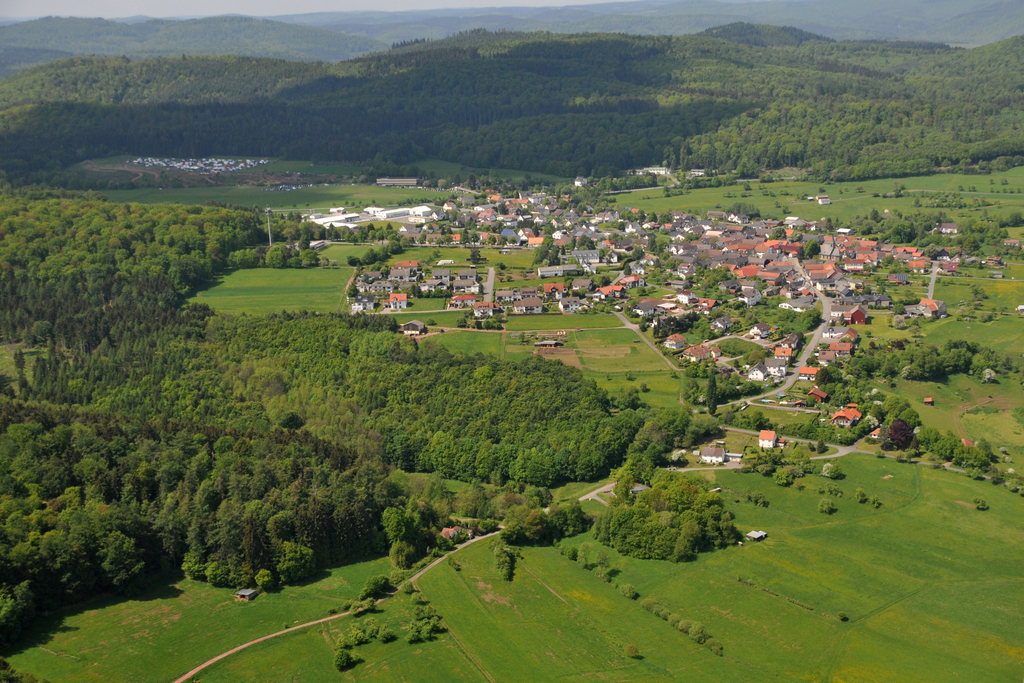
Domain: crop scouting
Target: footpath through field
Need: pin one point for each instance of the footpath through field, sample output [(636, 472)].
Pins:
[(210, 662)]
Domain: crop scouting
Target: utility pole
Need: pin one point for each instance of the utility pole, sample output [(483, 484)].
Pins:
[(270, 237)]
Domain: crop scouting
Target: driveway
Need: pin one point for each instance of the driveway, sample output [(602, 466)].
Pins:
[(489, 285)]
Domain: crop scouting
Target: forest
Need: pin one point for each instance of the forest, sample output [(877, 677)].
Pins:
[(738, 100), (143, 434)]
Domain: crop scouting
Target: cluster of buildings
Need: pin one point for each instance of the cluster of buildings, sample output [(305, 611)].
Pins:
[(205, 166)]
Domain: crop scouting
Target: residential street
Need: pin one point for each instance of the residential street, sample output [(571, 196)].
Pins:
[(489, 285)]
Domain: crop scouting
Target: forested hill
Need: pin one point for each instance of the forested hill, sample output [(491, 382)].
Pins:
[(592, 104), (164, 37)]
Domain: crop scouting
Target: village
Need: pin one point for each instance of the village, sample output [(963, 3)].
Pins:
[(794, 290)]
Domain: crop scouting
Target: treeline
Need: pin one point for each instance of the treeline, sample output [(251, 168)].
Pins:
[(592, 104)]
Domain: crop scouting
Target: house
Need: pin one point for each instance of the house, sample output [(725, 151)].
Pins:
[(645, 308), (705, 306), (750, 296), (485, 309), (783, 352), (554, 290), (776, 367), (632, 281), (801, 305), (847, 417), (675, 342), (758, 373), (767, 439), (699, 352), (530, 305), (453, 532), (687, 297), (946, 228), (363, 302), (402, 275), (967, 443), (582, 285), (757, 536), (760, 330), (791, 341), (570, 304), (398, 300), (826, 357), (818, 395), (929, 401), (413, 328), (713, 455), (842, 349), (247, 594), (823, 199), (464, 285), (899, 279), (580, 181), (928, 308), (876, 433), (807, 374), (721, 324), (462, 301), (557, 271), (414, 266)]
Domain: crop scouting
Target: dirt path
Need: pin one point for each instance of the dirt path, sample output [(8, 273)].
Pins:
[(593, 494), (210, 662), (931, 283)]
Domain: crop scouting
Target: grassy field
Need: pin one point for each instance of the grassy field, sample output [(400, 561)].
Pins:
[(442, 319), (1005, 333), (1003, 295), (173, 627), (917, 577), (557, 321), (469, 342), (266, 290), (356, 197), (847, 201), (429, 256)]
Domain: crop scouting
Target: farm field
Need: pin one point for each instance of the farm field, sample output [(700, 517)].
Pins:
[(441, 319), (520, 323), (1003, 295), (476, 341), (317, 197), (308, 655), (1004, 333), (662, 390), (260, 291), (914, 577), (847, 202), (174, 626)]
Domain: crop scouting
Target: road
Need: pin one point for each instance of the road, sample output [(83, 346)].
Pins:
[(636, 328), (489, 285), (841, 450), (607, 488), (931, 283), (210, 662), (810, 347)]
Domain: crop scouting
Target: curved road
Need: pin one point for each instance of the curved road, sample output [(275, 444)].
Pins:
[(187, 677)]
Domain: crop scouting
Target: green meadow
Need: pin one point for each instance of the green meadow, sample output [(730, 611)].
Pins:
[(849, 199), (1001, 295), (356, 197), (558, 321), (469, 342), (260, 291), (173, 627)]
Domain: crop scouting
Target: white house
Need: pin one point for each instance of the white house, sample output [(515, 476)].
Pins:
[(758, 373), (776, 367), (767, 439)]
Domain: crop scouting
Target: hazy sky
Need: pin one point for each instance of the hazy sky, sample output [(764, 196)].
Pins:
[(163, 8)]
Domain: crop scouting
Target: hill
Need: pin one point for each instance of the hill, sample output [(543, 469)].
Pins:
[(16, 58), (558, 104), (964, 22), (161, 37)]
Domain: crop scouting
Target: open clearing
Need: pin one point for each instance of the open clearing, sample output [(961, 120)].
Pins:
[(173, 627), (519, 323), (261, 291)]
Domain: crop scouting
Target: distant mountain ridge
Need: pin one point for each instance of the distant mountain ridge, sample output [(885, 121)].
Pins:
[(963, 22), (243, 36)]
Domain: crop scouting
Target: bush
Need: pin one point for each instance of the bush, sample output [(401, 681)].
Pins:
[(374, 586), (296, 562), (826, 506), (684, 626), (386, 635), (980, 504), (673, 620), (698, 633), (627, 590), (632, 651), (343, 659), (714, 646), (264, 579), (570, 552), (842, 616), (649, 604)]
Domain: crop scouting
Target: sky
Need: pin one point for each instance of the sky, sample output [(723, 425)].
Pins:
[(113, 9)]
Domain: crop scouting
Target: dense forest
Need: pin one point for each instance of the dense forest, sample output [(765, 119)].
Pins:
[(751, 99), (143, 433)]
